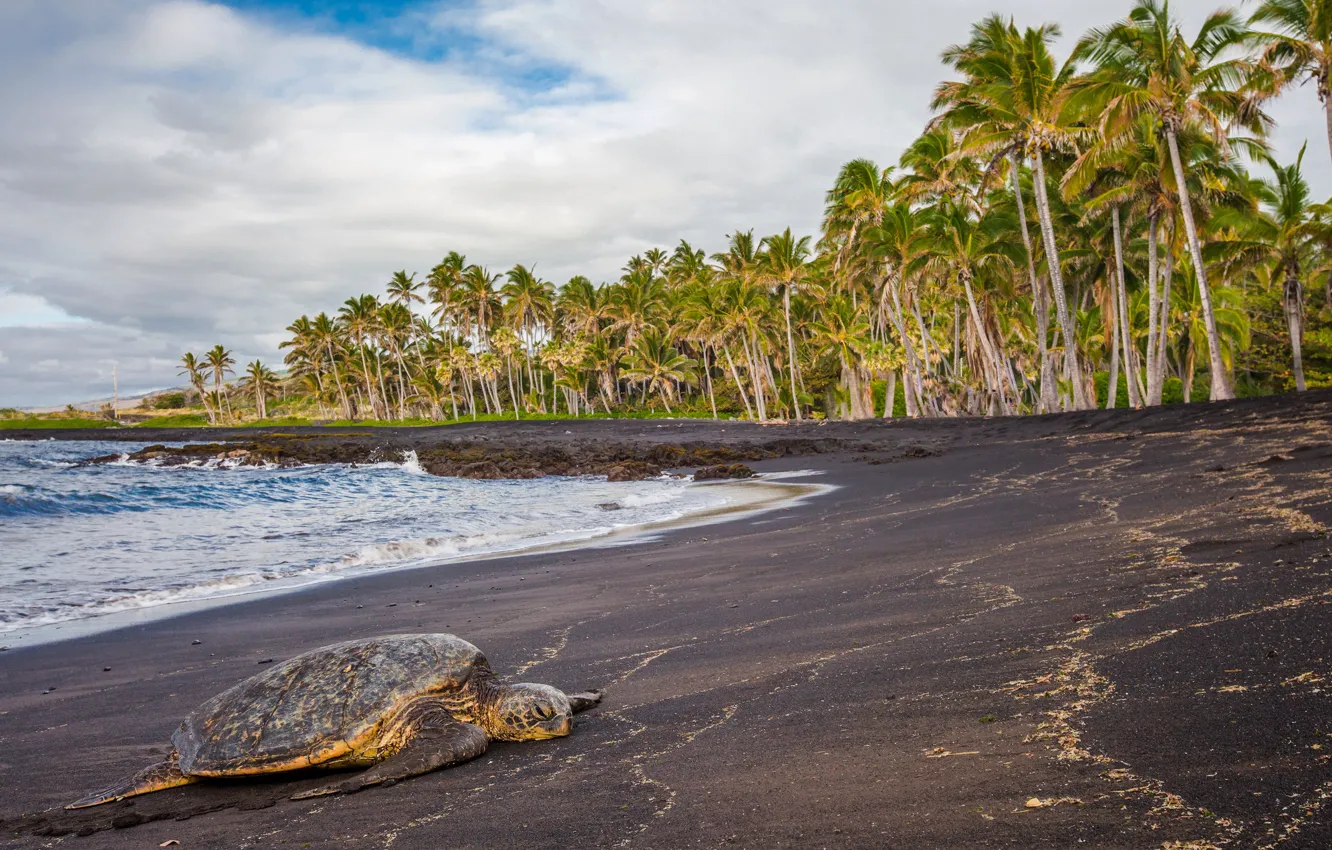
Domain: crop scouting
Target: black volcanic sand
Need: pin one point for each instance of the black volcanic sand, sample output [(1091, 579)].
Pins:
[(1099, 629)]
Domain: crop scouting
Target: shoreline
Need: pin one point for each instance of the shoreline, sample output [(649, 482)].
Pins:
[(1123, 617), (750, 497)]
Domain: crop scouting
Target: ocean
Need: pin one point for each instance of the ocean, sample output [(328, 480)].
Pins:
[(82, 542)]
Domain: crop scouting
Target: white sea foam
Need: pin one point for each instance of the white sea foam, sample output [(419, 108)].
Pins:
[(116, 538), (659, 497)]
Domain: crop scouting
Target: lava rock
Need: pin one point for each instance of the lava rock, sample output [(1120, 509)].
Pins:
[(724, 472)]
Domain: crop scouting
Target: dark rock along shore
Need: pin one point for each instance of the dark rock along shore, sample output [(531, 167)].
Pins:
[(1098, 629)]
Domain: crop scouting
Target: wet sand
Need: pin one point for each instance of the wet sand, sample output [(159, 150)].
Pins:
[(1099, 629)]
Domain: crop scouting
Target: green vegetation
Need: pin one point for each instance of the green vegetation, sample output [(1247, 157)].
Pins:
[(178, 420), (1061, 227), (53, 422)]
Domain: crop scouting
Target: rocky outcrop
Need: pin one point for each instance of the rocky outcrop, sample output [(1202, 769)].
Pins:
[(732, 472), (486, 457)]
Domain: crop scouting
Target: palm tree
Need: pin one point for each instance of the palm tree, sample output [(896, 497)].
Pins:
[(659, 367), (1285, 235), (478, 302), (505, 343), (1144, 65), (396, 326), (220, 361), (858, 199), (326, 335), (402, 289), (784, 262), (1011, 102), (968, 247), (198, 373), (442, 285), (899, 249), (842, 330), (259, 379), (1300, 50), (360, 318)]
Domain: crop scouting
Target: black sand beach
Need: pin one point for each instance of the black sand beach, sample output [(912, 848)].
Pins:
[(1100, 629)]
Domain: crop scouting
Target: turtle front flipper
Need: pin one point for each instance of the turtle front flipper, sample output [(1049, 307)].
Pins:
[(157, 777), (584, 701), (431, 748)]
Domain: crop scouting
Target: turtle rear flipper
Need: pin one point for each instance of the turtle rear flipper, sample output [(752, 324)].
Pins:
[(157, 777)]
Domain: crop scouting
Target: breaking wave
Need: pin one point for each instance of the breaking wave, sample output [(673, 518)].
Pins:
[(81, 541)]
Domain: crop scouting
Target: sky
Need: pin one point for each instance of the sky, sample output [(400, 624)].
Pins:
[(178, 173)]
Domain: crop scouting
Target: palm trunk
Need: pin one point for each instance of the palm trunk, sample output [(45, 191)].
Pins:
[(509, 368), (790, 348), (203, 397), (1294, 304), (402, 388), (383, 393), (993, 371), (1189, 363), (735, 376), (1049, 398), (757, 379), (1125, 330), (890, 395), (707, 375), (1220, 382), (1163, 324), (1112, 385), (912, 373), (1327, 114), (1072, 372), (369, 385), (1153, 298), (337, 378)]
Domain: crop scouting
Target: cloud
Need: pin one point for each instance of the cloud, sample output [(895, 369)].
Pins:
[(178, 173)]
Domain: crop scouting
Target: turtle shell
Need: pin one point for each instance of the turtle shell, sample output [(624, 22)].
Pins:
[(316, 707)]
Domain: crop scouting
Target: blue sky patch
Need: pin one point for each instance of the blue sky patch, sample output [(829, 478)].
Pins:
[(401, 27)]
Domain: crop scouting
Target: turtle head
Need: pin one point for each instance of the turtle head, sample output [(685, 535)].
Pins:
[(529, 713)]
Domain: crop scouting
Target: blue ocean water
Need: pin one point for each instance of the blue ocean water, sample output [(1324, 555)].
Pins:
[(83, 541)]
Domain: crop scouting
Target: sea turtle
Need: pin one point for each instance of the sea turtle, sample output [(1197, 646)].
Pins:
[(399, 705)]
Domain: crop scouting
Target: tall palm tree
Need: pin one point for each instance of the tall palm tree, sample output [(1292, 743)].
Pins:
[(478, 302), (198, 373), (442, 285), (360, 318), (1284, 235), (1011, 103), (259, 380), (652, 361), (327, 336), (1144, 65), (784, 263), (899, 248), (1300, 49), (395, 326), (402, 289), (841, 329), (968, 248), (220, 361), (858, 199)]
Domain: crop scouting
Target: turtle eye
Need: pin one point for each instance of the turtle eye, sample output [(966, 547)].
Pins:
[(544, 712)]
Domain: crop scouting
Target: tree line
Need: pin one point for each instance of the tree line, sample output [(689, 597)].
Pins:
[(1061, 231)]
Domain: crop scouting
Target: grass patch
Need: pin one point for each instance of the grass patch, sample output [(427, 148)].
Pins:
[(35, 423), (179, 420)]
